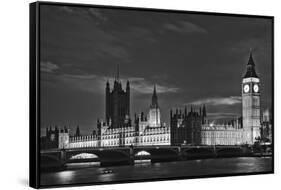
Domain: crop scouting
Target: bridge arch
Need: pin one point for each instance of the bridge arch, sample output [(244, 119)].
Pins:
[(142, 153), (84, 156), (102, 156), (156, 154), (142, 156)]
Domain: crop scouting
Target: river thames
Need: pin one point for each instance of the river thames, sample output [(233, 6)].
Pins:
[(86, 173)]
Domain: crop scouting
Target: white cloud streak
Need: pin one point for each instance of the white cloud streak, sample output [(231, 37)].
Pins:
[(218, 101), (143, 86), (96, 83), (47, 66), (184, 27), (97, 13)]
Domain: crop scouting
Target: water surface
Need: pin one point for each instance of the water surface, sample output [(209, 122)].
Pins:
[(86, 173)]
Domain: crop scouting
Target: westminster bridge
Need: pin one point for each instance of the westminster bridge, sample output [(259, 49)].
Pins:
[(56, 158)]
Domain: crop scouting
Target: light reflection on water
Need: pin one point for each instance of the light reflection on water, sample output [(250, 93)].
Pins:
[(142, 161), (106, 177), (158, 170), (81, 165), (65, 176)]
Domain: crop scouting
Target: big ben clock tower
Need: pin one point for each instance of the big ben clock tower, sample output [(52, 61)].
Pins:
[(251, 103)]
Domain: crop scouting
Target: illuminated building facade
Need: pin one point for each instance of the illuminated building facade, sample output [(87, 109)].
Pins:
[(222, 134), (154, 111), (147, 130), (189, 128), (247, 129), (64, 138)]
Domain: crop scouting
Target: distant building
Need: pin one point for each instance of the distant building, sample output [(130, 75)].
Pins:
[(64, 138), (186, 127), (55, 138), (266, 126), (51, 139), (77, 133)]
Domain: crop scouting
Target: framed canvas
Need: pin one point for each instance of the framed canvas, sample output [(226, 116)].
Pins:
[(121, 94)]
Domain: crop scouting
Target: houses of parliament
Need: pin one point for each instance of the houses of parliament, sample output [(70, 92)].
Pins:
[(189, 126)]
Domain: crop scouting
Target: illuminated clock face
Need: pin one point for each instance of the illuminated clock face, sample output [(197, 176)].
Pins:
[(256, 88), (246, 88)]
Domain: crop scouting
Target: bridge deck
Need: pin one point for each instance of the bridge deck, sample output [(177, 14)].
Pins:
[(137, 147)]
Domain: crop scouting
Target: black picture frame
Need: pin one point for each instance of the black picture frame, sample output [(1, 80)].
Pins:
[(34, 98)]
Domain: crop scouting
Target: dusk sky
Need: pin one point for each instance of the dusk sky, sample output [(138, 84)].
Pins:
[(193, 59)]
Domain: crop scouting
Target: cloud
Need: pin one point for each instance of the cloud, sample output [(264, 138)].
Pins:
[(222, 116), (96, 83), (184, 27), (218, 101), (66, 9), (47, 66), (91, 12), (116, 51), (85, 82), (97, 13), (82, 77), (143, 86), (254, 44)]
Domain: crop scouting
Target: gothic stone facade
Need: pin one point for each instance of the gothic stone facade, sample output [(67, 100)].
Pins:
[(251, 103), (146, 130), (186, 127), (117, 104)]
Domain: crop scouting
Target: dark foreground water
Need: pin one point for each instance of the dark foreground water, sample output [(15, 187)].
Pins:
[(90, 174)]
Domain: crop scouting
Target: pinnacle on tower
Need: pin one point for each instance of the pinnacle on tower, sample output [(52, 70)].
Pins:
[(107, 84), (251, 72), (154, 102), (204, 111), (128, 84)]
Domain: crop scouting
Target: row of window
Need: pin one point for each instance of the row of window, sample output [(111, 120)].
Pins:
[(220, 142), (83, 138), (158, 139), (221, 135), (83, 144), (130, 135), (133, 141)]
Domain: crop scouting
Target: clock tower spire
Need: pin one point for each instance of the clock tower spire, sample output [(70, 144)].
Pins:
[(251, 103)]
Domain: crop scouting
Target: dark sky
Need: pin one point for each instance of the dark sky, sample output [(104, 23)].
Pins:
[(192, 58)]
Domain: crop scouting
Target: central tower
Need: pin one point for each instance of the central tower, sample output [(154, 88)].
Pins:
[(251, 103), (117, 103), (154, 111)]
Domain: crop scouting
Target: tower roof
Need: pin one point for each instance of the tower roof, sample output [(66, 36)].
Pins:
[(154, 102), (251, 72)]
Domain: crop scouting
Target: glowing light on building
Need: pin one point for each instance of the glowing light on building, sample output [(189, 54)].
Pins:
[(84, 156)]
